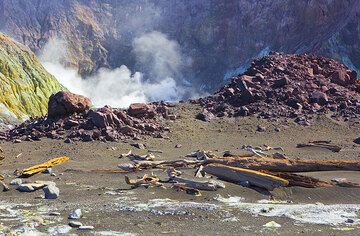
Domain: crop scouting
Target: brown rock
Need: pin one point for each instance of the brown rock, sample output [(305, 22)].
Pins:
[(66, 103)]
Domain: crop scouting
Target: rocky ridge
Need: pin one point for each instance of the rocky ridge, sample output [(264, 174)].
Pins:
[(288, 86)]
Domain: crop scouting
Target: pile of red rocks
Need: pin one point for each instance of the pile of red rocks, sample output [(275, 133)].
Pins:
[(290, 86), (70, 117)]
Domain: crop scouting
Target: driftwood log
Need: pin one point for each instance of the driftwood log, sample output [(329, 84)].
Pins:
[(238, 175), (285, 165)]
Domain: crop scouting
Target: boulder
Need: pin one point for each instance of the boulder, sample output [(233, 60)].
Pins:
[(319, 98), (51, 191), (141, 110), (66, 103), (340, 77)]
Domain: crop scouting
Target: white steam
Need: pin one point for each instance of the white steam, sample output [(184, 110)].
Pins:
[(159, 58)]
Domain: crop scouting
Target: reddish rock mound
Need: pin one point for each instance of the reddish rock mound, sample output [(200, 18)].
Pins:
[(70, 118), (291, 86)]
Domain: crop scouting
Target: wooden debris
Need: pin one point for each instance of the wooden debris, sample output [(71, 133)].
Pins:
[(2, 177), (145, 180), (98, 171), (347, 184), (4, 186), (163, 164), (320, 144), (211, 185), (41, 167), (201, 155), (300, 180), (188, 190), (286, 165), (237, 175)]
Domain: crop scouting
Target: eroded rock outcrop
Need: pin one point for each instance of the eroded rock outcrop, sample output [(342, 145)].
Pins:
[(25, 86)]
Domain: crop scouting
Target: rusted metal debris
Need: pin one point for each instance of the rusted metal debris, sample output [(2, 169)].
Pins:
[(237, 175), (41, 167), (320, 144)]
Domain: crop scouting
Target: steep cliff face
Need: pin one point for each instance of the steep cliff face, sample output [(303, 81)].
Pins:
[(219, 36), (25, 85)]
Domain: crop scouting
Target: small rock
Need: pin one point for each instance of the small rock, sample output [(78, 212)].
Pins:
[(357, 140), (54, 213), (75, 224), (86, 227), (277, 129), (205, 115), (16, 181), (260, 128), (47, 171), (178, 146), (75, 214), (17, 141), (51, 192), (67, 140), (25, 188), (138, 145), (349, 221)]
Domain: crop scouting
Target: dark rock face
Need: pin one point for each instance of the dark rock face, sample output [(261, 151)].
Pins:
[(66, 103), (290, 86), (219, 36)]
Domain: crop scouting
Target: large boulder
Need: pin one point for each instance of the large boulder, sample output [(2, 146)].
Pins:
[(141, 110), (66, 103)]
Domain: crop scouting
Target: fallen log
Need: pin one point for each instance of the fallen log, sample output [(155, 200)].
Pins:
[(237, 175), (285, 165), (319, 144), (300, 180), (41, 167)]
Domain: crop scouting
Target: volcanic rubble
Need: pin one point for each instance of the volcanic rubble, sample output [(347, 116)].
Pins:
[(70, 117), (288, 86)]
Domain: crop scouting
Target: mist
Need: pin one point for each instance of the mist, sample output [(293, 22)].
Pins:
[(160, 78)]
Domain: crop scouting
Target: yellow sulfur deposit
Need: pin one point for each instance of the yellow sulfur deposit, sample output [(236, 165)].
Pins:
[(25, 85)]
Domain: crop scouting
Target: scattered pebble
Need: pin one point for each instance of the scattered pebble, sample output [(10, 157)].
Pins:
[(260, 128), (54, 213), (86, 227), (75, 214), (178, 146), (75, 224)]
